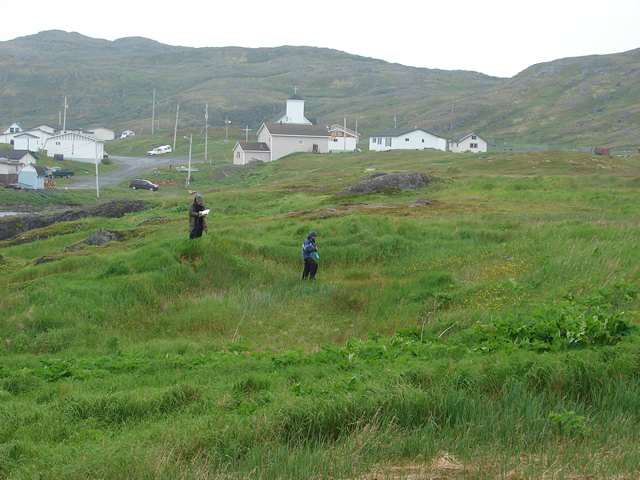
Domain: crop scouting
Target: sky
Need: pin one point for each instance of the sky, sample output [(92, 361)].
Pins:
[(495, 37)]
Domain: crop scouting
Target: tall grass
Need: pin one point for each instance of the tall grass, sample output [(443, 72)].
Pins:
[(489, 333)]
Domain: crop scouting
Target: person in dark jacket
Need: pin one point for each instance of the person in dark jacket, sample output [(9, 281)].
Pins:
[(197, 221), (309, 251)]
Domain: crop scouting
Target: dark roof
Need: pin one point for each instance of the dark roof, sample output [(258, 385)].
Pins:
[(40, 170), (14, 154), (254, 146), (296, 130), (397, 132)]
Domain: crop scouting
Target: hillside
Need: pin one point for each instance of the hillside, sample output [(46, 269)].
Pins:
[(482, 327), (567, 102)]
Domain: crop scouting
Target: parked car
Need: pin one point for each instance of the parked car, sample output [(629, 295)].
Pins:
[(137, 183), (160, 150), (59, 172)]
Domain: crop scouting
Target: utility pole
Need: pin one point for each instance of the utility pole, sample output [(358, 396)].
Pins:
[(206, 131), (153, 111), (344, 135), (189, 167), (97, 184), (357, 132), (226, 129), (451, 124), (64, 122), (175, 129), (246, 133)]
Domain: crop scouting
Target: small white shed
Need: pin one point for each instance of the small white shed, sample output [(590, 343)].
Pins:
[(249, 152), (31, 177)]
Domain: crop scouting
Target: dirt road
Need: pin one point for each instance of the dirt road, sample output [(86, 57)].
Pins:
[(129, 167)]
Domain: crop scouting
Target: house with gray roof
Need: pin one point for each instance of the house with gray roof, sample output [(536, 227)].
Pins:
[(251, 152), (285, 138), (467, 142)]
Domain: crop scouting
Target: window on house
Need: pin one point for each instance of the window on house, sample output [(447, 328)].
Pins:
[(387, 142), (423, 140), (473, 145), (473, 137), (300, 142), (238, 154), (406, 139)]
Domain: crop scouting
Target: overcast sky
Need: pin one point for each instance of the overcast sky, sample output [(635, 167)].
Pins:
[(495, 37)]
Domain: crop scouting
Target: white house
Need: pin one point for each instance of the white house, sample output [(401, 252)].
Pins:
[(32, 177), (9, 170), (13, 128), (24, 157), (294, 112), (10, 132), (406, 139), (103, 134), (248, 152), (41, 135), (341, 139), (75, 146), (467, 142), (49, 129), (26, 141), (283, 139)]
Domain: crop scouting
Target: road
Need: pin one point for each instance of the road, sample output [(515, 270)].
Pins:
[(129, 167)]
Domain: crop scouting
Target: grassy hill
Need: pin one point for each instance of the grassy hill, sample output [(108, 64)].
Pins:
[(482, 327), (567, 102)]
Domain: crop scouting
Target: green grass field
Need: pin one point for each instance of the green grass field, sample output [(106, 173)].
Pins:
[(488, 330)]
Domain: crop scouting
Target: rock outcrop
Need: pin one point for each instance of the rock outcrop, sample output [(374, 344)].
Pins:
[(380, 181), (13, 226)]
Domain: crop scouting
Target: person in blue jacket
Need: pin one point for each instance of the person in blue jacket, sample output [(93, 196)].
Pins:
[(309, 251)]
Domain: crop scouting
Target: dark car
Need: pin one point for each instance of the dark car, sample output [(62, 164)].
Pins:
[(143, 184), (59, 172)]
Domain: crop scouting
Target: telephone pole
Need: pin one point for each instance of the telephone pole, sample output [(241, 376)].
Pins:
[(175, 129), (64, 122), (153, 111), (206, 131)]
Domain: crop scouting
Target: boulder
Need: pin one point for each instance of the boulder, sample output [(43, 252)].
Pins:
[(102, 237), (380, 181)]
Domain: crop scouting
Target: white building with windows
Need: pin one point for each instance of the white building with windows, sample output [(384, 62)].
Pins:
[(406, 139), (467, 142), (75, 146), (282, 139), (250, 152)]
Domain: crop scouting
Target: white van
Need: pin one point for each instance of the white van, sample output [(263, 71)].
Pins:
[(160, 150)]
